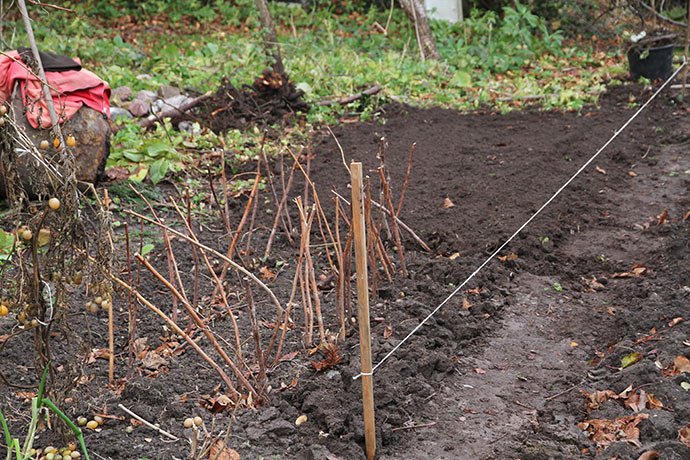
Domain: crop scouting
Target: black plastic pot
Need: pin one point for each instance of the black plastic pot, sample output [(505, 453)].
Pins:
[(655, 64)]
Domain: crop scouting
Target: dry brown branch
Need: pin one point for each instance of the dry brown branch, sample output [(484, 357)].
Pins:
[(172, 111), (367, 92), (407, 178), (391, 212), (281, 206), (181, 333), (402, 224), (201, 325), (232, 263)]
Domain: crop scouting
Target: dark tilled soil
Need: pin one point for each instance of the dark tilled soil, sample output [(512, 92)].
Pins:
[(502, 379)]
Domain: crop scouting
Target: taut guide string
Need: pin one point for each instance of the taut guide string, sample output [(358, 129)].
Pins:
[(522, 227)]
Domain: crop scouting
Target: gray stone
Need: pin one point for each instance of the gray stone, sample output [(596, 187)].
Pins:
[(171, 102), (116, 112), (146, 95), (189, 127), (139, 108), (123, 93), (167, 91), (144, 76)]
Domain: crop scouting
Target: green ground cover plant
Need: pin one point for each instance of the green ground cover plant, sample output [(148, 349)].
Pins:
[(500, 60)]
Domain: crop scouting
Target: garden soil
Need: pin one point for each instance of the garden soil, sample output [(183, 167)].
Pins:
[(592, 295)]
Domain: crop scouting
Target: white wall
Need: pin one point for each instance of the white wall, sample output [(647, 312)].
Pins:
[(448, 10)]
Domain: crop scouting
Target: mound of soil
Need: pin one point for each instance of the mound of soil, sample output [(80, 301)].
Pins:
[(271, 99), (503, 370)]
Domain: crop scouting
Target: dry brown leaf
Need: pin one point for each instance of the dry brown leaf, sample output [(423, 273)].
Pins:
[(266, 274), (637, 271), (479, 370), (687, 214), (447, 203), (681, 364), (675, 321), (663, 217), (454, 256), (332, 358), (220, 451), (684, 435), (632, 174), (653, 402), (387, 331), (509, 256), (649, 455), (473, 291), (289, 356), (466, 304), (574, 344), (604, 432), (601, 170)]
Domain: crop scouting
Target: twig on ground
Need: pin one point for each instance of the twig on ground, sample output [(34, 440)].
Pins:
[(367, 92), (149, 424)]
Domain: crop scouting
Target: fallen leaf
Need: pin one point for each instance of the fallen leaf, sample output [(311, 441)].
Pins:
[(681, 364), (289, 356), (473, 291), (153, 361), (687, 214), (266, 274), (601, 170), (632, 358), (219, 451), (301, 419), (332, 358), (454, 256), (479, 370), (97, 353), (447, 203), (637, 270), (663, 217), (605, 432), (117, 172), (632, 174), (574, 344), (684, 435), (388, 331), (649, 455), (466, 304), (509, 256), (685, 386), (675, 321)]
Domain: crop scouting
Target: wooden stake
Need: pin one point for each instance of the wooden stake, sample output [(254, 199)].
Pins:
[(363, 308)]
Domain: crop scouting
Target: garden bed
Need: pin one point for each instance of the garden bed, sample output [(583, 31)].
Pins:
[(500, 371)]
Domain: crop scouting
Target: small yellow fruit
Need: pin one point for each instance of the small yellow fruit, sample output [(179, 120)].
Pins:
[(44, 144), (92, 424), (188, 422), (50, 456), (198, 421), (105, 305), (4, 310), (54, 203), (56, 143), (75, 454), (27, 235), (34, 323), (71, 141), (3, 110), (98, 300), (81, 420), (98, 419), (2, 122)]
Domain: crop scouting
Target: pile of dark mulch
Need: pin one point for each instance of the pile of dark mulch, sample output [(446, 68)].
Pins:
[(271, 99)]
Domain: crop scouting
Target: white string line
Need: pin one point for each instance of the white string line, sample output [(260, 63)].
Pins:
[(522, 227)]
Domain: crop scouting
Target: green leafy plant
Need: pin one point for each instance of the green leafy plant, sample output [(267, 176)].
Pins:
[(25, 452)]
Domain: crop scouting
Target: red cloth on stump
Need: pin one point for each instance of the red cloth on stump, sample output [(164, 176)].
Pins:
[(75, 88)]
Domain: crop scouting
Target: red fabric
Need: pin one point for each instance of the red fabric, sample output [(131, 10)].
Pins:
[(75, 88)]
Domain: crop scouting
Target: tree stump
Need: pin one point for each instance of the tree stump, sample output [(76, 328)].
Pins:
[(89, 128)]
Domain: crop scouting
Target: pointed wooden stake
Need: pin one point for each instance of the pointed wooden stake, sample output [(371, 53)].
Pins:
[(363, 308)]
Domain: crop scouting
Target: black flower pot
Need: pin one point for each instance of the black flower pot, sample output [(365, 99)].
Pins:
[(651, 63)]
